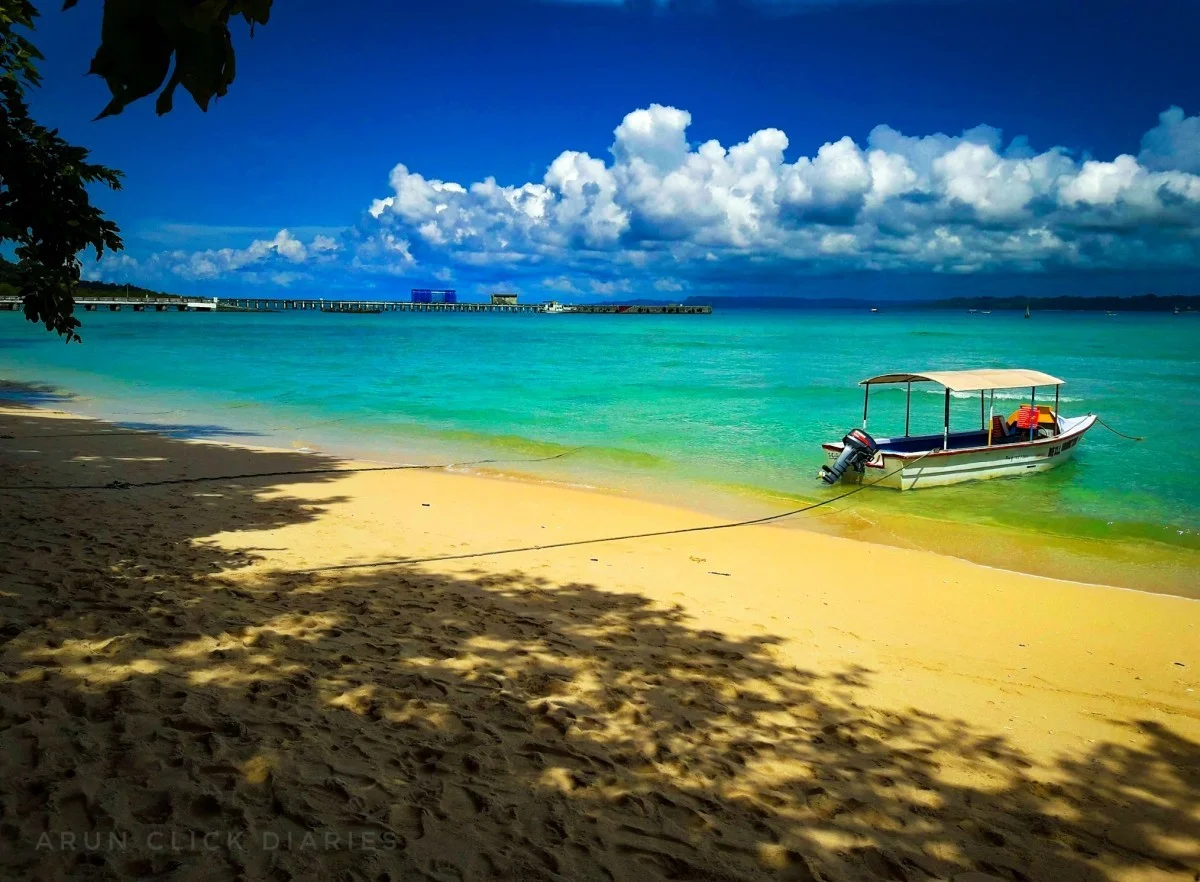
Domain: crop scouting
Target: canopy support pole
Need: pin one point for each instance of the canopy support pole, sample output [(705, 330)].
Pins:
[(991, 416), (1056, 410), (866, 398), (946, 424), (907, 407), (982, 424), (1033, 404)]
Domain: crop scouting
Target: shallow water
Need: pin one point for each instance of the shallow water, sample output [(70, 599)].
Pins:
[(730, 407)]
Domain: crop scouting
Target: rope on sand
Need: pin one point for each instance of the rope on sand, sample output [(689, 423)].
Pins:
[(120, 431), (128, 485)]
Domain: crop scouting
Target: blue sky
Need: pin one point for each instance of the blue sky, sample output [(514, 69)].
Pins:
[(582, 150)]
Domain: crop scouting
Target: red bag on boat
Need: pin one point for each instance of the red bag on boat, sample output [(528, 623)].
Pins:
[(1027, 417)]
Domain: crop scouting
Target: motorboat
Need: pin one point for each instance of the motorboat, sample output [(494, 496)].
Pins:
[(1032, 438)]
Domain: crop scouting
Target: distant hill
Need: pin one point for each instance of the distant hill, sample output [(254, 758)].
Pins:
[(754, 302), (8, 285), (1139, 303), (97, 288)]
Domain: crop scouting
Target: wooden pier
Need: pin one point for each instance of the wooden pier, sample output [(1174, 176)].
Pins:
[(636, 309), (282, 304), (277, 304)]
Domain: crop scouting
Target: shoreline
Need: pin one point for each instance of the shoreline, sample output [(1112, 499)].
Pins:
[(1149, 565), (340, 651), (479, 470)]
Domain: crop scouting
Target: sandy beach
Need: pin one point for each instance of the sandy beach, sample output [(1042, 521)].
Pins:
[(356, 675)]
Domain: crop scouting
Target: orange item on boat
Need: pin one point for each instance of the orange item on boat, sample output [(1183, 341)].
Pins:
[(1027, 417)]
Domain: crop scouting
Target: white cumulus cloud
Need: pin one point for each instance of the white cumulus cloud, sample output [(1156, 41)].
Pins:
[(261, 260), (959, 203), (1174, 144)]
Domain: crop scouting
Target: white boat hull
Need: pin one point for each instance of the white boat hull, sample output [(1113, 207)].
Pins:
[(941, 468)]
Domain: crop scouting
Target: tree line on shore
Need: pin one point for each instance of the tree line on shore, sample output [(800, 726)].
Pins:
[(10, 286)]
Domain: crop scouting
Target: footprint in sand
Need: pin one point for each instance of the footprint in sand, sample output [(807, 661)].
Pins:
[(460, 803), (157, 807)]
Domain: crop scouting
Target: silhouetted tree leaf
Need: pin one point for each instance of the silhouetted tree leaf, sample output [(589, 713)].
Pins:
[(134, 55), (204, 64), (140, 37), (45, 211), (166, 98)]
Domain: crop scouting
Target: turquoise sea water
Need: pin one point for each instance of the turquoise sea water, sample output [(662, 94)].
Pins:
[(732, 405)]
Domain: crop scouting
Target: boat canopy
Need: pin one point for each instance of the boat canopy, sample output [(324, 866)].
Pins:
[(972, 381)]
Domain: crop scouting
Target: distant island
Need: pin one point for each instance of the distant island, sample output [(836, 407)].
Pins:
[(1137, 303)]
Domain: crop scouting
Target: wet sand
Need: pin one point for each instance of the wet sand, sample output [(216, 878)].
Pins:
[(336, 676)]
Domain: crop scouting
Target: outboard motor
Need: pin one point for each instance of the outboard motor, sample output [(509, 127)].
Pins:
[(858, 449)]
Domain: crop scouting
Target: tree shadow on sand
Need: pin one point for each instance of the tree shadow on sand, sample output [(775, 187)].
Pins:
[(481, 725)]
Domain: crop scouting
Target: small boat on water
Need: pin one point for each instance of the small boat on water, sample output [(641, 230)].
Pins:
[(1033, 438), (1026, 310)]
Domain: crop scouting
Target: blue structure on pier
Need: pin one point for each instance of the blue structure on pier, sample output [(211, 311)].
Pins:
[(434, 295)]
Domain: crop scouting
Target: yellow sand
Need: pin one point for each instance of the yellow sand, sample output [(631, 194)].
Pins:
[(765, 702)]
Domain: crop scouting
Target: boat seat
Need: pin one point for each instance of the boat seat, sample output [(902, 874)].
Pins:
[(1001, 431)]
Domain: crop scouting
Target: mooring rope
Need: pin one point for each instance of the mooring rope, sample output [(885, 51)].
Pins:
[(577, 542), (1115, 432)]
